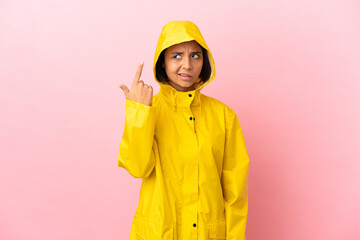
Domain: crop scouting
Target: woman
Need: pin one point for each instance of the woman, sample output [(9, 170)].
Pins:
[(187, 147)]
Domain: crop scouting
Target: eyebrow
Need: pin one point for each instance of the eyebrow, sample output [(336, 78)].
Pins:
[(197, 52)]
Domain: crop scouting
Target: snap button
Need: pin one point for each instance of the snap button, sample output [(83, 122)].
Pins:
[(190, 95), (190, 118), (194, 225)]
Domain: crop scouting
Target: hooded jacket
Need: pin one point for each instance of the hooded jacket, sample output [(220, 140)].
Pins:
[(189, 150)]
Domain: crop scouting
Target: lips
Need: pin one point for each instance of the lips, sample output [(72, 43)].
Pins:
[(185, 76)]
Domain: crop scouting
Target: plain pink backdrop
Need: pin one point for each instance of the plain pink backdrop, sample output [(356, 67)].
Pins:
[(290, 70)]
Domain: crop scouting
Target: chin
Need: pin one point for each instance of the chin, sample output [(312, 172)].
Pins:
[(187, 84), (182, 84)]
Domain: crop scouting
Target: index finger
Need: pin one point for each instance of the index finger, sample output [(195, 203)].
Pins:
[(138, 71)]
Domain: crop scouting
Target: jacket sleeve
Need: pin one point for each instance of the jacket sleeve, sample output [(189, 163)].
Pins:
[(234, 180), (136, 153)]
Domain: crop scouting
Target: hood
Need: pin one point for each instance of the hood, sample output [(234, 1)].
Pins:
[(176, 32)]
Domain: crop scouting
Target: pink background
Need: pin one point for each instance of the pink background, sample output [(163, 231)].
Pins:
[(290, 70)]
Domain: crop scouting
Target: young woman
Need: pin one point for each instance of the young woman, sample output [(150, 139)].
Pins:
[(187, 147)]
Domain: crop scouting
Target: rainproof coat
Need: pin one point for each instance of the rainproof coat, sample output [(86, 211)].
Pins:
[(189, 150)]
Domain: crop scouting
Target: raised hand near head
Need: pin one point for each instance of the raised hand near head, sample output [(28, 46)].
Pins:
[(140, 92)]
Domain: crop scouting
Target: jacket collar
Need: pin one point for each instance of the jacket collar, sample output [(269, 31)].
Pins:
[(180, 100)]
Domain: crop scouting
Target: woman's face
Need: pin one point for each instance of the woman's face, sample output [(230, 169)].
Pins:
[(183, 64)]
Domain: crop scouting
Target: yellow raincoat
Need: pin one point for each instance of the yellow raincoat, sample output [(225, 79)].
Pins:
[(189, 150)]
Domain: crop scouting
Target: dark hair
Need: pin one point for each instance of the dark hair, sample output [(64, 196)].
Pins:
[(204, 74)]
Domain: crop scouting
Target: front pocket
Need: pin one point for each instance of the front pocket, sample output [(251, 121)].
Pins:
[(217, 230), (145, 229)]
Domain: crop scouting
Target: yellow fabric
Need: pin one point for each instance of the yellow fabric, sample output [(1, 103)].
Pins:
[(194, 172)]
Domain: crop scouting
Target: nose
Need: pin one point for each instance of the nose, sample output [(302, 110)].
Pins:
[(187, 63)]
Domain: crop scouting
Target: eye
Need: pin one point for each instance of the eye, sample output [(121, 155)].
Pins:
[(176, 56), (196, 55)]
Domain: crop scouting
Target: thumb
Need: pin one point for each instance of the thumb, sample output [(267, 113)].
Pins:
[(125, 89)]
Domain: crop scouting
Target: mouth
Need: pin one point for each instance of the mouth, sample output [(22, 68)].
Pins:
[(185, 76)]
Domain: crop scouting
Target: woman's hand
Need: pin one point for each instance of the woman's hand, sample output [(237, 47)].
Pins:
[(139, 92)]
